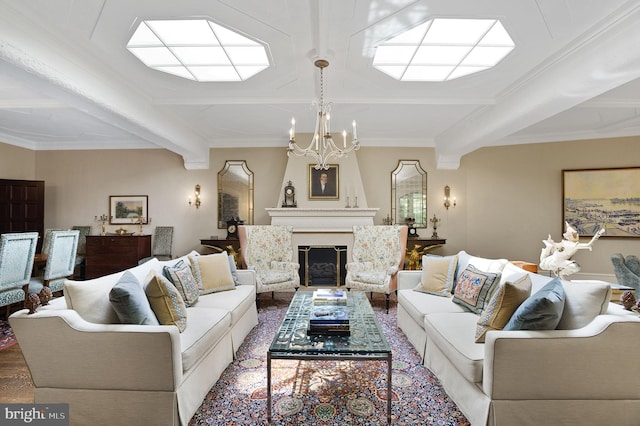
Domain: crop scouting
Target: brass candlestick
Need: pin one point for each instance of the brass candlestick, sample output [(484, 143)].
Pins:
[(140, 220)]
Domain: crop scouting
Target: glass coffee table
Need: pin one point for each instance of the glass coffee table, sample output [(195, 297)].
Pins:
[(366, 341)]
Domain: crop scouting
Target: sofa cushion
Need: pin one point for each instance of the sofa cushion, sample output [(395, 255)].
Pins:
[(502, 305), (473, 288), (212, 272), (438, 275), (166, 302), (237, 302), (453, 334), (482, 263), (541, 311), (90, 298), (206, 328), (584, 300), (418, 304), (182, 278), (128, 299)]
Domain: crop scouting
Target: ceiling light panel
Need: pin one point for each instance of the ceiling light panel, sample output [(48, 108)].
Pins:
[(444, 49), (197, 49)]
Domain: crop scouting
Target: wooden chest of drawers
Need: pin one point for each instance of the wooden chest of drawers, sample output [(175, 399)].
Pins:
[(108, 254)]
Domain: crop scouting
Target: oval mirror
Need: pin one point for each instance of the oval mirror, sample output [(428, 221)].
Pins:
[(235, 193), (409, 193)]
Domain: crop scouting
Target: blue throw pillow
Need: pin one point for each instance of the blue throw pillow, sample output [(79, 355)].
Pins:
[(234, 270), (541, 311), (130, 302)]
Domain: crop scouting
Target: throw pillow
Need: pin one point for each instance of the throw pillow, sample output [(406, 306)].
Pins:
[(212, 272), (234, 270), (474, 287), (437, 275), (584, 300), (542, 311), (502, 305), (482, 263), (128, 299), (182, 278), (166, 302)]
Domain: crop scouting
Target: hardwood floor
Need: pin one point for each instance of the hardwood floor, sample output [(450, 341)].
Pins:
[(16, 386)]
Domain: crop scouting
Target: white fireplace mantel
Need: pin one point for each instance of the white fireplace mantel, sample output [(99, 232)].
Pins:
[(322, 219)]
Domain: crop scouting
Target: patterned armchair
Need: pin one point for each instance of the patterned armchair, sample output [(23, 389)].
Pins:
[(377, 255), (17, 251), (268, 250)]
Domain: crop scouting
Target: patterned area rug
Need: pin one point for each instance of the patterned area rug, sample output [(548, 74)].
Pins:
[(326, 393), (7, 338)]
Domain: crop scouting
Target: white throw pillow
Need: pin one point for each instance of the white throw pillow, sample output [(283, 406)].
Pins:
[(584, 300)]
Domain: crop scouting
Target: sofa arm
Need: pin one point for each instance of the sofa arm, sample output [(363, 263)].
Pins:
[(408, 280), (64, 351), (246, 277), (587, 363)]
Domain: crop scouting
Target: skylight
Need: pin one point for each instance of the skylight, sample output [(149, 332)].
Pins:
[(444, 49), (197, 49)]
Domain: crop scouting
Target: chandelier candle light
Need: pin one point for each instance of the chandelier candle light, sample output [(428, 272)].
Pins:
[(322, 148)]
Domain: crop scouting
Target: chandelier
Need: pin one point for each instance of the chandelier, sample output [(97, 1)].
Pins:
[(322, 148)]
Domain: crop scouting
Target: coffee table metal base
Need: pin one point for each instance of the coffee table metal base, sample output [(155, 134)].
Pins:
[(329, 357)]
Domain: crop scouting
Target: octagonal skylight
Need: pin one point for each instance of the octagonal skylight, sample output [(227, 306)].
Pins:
[(444, 49), (197, 49)]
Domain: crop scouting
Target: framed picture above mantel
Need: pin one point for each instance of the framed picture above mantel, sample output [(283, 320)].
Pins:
[(602, 198), (324, 184), (125, 209)]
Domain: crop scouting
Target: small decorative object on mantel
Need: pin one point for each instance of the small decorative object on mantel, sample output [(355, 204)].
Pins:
[(627, 299), (434, 222), (556, 257), (289, 196)]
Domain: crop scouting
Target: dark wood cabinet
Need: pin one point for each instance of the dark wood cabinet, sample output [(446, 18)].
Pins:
[(22, 207), (107, 254)]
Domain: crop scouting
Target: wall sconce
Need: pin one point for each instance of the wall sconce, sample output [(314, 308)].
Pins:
[(197, 196), (448, 201)]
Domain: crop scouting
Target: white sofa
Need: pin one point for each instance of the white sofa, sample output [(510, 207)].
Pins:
[(124, 374), (583, 376)]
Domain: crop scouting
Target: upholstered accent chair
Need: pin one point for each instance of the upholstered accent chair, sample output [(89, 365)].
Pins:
[(268, 250), (627, 270), (17, 251), (81, 253), (61, 261), (378, 253), (162, 244)]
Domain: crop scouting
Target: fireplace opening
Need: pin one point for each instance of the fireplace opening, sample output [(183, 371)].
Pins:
[(322, 265)]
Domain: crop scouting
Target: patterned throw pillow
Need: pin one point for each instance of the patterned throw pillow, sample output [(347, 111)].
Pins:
[(541, 311), (438, 275), (181, 276), (212, 272), (166, 301), (474, 287), (502, 305)]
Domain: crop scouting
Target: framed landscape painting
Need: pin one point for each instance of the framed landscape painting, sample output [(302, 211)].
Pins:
[(602, 198), (127, 208)]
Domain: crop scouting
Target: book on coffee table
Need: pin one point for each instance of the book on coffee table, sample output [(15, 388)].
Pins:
[(328, 315)]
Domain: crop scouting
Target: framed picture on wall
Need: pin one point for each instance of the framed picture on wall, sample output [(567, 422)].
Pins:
[(602, 198), (324, 184), (127, 208)]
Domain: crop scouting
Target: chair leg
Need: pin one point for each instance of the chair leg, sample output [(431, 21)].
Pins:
[(387, 302), (273, 294), (257, 300)]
